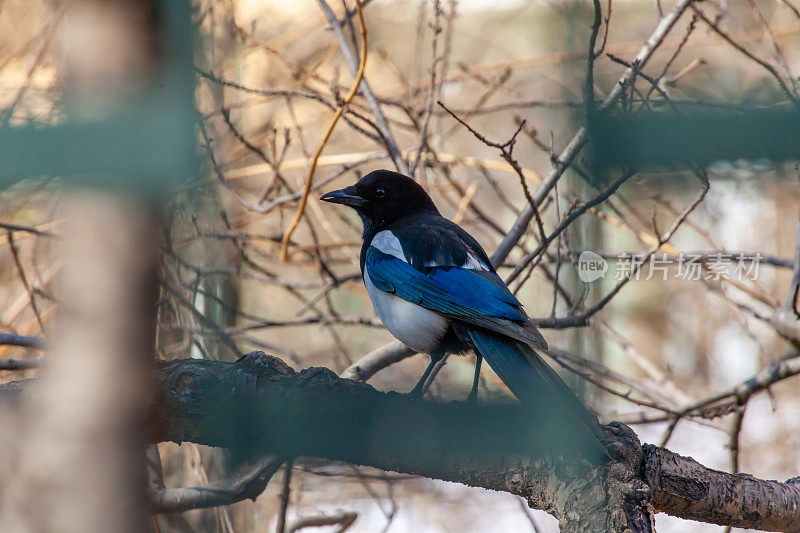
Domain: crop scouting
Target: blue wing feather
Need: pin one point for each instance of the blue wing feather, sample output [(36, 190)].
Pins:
[(457, 292)]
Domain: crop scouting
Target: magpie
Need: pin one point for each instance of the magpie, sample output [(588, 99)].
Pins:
[(435, 290)]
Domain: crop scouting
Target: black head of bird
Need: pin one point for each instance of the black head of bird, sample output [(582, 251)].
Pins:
[(383, 196)]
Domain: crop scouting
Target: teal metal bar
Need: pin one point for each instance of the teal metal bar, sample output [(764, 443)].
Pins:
[(146, 143), (647, 140)]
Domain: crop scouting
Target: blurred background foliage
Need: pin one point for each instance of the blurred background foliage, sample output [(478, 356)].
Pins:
[(269, 76)]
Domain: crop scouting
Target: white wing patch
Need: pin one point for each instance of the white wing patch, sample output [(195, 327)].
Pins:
[(474, 263), (388, 243)]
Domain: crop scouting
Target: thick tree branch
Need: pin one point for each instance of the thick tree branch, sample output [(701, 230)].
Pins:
[(688, 489), (261, 404)]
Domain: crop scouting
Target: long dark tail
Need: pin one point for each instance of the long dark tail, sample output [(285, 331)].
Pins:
[(533, 382)]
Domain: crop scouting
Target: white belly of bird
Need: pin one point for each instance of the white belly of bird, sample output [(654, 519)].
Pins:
[(418, 328)]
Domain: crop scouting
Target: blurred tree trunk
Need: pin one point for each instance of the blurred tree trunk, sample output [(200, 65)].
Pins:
[(73, 456)]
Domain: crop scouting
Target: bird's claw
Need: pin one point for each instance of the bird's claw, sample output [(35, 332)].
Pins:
[(416, 393), (472, 398)]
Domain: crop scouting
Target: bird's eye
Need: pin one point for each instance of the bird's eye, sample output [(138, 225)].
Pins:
[(380, 192)]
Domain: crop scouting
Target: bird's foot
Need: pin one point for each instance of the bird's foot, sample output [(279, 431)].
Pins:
[(417, 392), (472, 397)]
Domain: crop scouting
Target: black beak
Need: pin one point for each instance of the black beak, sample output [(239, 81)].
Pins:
[(347, 196)]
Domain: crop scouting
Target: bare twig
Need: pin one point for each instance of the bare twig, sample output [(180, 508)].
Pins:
[(591, 55), (249, 484), (372, 101), (309, 180), (342, 519), (26, 341), (24, 279), (579, 140), (786, 86), (21, 364), (794, 287), (433, 90), (286, 493), (735, 437)]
